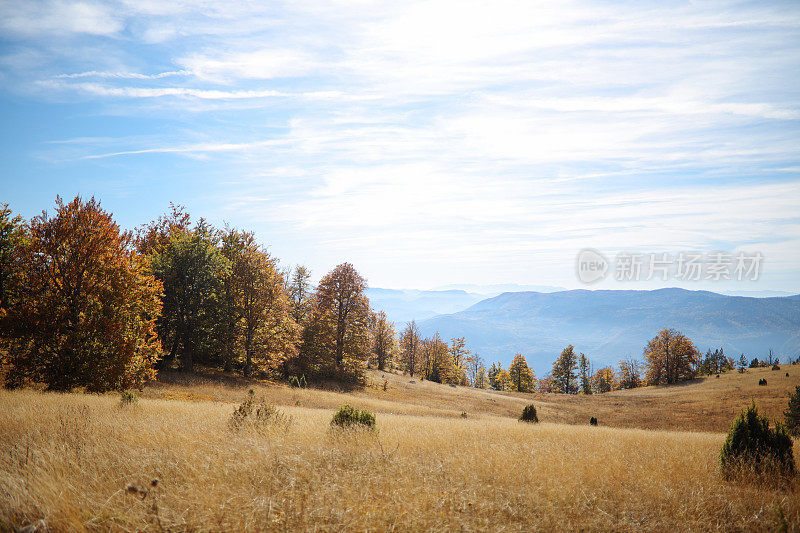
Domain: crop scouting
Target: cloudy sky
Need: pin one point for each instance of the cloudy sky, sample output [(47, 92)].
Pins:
[(428, 143)]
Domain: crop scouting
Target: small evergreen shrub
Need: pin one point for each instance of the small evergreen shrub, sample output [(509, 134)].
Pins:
[(257, 414), (348, 416), (529, 414), (776, 366), (792, 413), (762, 382), (593, 421), (127, 398), (753, 451)]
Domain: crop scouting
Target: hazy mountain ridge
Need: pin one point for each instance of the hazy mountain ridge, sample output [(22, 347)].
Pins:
[(403, 305), (609, 325)]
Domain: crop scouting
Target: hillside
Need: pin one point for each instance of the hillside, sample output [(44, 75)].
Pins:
[(82, 462), (611, 325), (706, 404)]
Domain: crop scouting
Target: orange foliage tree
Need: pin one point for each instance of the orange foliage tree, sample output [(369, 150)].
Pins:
[(336, 339), (86, 304), (604, 380), (670, 357)]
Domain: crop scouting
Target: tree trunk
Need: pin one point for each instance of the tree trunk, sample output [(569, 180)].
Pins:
[(188, 362), (248, 351)]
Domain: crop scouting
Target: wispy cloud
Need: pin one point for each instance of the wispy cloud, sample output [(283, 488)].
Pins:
[(124, 75), (375, 130)]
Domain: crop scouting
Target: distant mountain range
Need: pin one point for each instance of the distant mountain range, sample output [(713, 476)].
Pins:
[(607, 325), (402, 306), (499, 288)]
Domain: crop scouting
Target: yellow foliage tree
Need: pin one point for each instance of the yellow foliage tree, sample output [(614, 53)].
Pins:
[(520, 375), (604, 380), (503, 380)]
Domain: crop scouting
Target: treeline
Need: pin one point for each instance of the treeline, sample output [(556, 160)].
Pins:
[(670, 357), (84, 304), (437, 360)]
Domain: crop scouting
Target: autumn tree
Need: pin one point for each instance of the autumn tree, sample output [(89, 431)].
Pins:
[(336, 339), (502, 380), (436, 361), (409, 342), (629, 374), (545, 384), (585, 373), (459, 354), (85, 304), (604, 380), (474, 365), (192, 268), (264, 333), (670, 357), (520, 374), (383, 344), (155, 236), (564, 378), (11, 235), (481, 380), (300, 292)]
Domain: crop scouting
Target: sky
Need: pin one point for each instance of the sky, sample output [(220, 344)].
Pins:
[(428, 143)]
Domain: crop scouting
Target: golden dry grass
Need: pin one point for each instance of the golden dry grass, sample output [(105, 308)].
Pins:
[(67, 458), (706, 404)]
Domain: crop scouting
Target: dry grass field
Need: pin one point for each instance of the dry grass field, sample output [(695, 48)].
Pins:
[(706, 404), (78, 462)]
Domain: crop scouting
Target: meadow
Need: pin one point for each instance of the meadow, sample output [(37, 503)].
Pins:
[(443, 458)]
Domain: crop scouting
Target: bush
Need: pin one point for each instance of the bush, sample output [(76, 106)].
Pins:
[(762, 382), (298, 383), (753, 450), (593, 421), (258, 414), (792, 414), (127, 398), (529, 414), (776, 366), (347, 416)]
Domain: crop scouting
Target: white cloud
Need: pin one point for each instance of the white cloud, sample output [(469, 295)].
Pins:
[(257, 64), (59, 17)]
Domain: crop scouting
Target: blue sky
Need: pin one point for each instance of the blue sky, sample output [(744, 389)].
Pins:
[(428, 143)]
